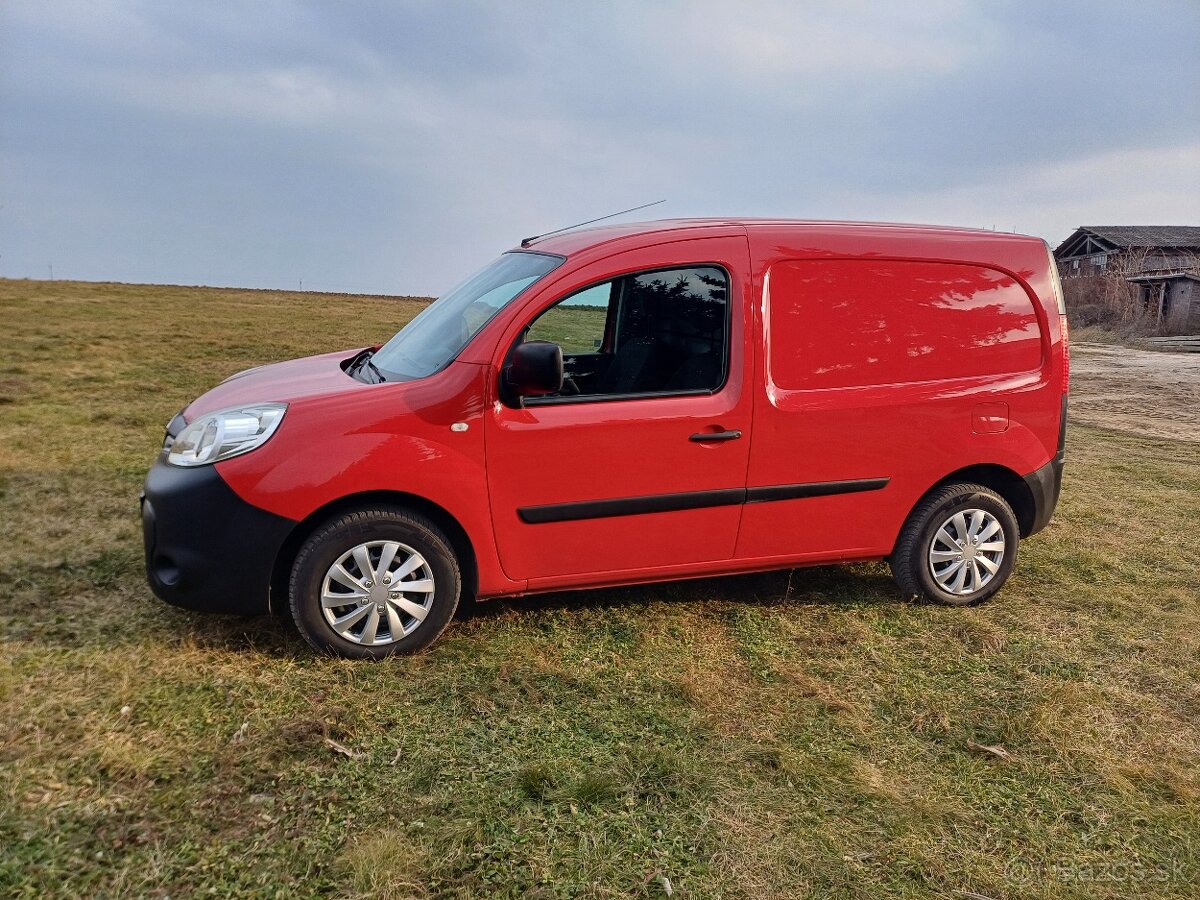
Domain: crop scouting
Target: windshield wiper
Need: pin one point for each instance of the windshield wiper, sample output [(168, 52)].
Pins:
[(379, 379), (363, 361)]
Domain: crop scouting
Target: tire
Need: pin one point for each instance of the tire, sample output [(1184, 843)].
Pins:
[(348, 613), (931, 563)]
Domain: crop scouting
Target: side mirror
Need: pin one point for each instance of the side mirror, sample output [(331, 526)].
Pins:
[(534, 369)]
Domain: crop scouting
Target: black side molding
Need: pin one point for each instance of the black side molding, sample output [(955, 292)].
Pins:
[(814, 489), (630, 506), (634, 506)]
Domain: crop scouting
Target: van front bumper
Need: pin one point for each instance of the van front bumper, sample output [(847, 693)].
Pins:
[(1045, 484), (207, 548)]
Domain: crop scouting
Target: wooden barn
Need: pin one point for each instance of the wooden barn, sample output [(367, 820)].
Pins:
[(1161, 261)]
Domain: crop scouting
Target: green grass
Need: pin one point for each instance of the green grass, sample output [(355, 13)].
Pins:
[(577, 329), (759, 736)]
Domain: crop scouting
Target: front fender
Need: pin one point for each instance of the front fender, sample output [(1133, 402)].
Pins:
[(396, 437)]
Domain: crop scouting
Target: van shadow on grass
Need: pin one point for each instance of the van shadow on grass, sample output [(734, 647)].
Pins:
[(135, 619), (838, 586), (846, 586), (105, 602)]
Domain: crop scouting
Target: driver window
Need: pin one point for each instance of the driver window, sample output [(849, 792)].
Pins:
[(659, 332)]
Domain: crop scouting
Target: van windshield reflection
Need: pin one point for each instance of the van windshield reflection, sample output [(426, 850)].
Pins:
[(439, 333)]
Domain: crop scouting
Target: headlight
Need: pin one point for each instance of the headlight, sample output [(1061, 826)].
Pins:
[(225, 433)]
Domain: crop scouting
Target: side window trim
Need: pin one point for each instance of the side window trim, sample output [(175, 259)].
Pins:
[(612, 324), (610, 398)]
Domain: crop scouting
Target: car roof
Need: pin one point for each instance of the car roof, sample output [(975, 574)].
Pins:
[(574, 241)]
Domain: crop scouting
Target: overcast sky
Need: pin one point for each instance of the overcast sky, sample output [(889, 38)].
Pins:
[(394, 147)]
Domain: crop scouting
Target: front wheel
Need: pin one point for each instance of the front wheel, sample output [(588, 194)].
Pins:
[(374, 583), (958, 546)]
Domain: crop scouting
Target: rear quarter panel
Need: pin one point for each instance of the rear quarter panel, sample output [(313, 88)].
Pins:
[(849, 388)]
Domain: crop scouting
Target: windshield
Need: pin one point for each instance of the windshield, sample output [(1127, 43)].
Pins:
[(443, 328)]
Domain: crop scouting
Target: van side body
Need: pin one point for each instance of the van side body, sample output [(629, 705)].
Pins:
[(864, 366)]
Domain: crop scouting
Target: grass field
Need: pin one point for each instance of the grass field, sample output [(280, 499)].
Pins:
[(577, 329), (780, 735)]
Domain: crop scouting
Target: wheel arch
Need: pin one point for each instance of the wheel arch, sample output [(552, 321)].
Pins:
[(1001, 479), (457, 535)]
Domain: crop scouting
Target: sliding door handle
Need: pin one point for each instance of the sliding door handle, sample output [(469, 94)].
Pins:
[(701, 437)]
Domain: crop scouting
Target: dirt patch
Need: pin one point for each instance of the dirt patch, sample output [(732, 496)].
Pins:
[(1141, 391)]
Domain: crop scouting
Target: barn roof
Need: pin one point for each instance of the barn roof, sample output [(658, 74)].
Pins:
[(1125, 237), (1164, 276)]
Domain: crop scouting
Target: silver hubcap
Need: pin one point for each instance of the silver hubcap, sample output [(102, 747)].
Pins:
[(377, 592), (967, 551)]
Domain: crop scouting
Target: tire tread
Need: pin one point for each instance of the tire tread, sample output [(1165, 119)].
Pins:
[(908, 553)]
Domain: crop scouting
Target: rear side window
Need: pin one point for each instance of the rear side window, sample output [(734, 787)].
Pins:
[(851, 323)]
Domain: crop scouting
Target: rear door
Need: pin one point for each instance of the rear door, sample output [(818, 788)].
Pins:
[(640, 463)]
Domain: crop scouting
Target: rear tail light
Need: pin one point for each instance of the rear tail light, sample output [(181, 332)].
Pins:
[(1060, 303)]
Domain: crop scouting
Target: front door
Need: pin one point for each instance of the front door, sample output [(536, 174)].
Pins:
[(639, 463)]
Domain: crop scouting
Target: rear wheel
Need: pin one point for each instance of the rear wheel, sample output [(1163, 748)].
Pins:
[(375, 583), (958, 546)]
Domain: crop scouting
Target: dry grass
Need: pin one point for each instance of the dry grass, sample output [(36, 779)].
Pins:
[(760, 736)]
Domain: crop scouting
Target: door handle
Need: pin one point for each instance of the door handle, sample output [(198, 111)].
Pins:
[(701, 437)]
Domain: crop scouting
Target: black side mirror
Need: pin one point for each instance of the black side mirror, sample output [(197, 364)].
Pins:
[(535, 369)]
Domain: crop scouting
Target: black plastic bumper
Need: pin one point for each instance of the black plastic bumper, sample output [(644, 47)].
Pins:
[(1045, 485), (206, 547)]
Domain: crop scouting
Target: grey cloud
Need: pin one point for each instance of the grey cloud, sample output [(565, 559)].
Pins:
[(389, 146)]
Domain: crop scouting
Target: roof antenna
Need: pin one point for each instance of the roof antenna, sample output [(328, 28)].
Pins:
[(537, 237)]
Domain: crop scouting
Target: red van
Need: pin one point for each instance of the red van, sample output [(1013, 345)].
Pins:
[(631, 404)]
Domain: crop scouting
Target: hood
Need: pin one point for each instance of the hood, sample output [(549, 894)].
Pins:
[(312, 376)]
